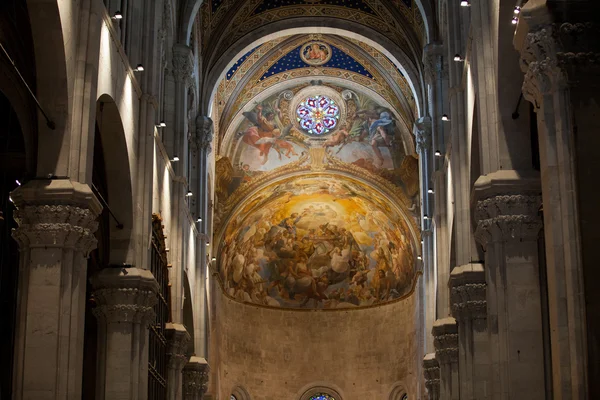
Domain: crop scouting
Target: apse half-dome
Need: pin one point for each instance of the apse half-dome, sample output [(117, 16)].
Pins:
[(317, 242)]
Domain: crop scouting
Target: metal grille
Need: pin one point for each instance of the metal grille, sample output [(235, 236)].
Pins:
[(157, 357)]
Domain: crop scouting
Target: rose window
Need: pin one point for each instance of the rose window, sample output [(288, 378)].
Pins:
[(318, 115)]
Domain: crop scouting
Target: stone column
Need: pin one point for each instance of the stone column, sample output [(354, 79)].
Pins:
[(56, 232), (559, 56), (508, 227), (469, 307), (445, 334), (177, 341), (125, 299), (431, 371), (195, 378)]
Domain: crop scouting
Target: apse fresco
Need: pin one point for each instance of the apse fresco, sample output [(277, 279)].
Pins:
[(316, 242), (274, 133)]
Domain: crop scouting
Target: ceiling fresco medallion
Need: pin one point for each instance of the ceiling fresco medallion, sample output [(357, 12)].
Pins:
[(315, 53)]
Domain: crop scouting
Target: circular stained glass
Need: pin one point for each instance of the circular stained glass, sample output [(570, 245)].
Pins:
[(321, 396), (318, 115)]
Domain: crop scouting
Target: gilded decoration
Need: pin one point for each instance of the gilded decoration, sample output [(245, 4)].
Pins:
[(317, 241), (315, 53)]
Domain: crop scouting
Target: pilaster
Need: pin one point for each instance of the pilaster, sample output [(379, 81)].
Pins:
[(177, 341), (56, 233), (125, 300), (431, 372), (445, 334), (195, 378)]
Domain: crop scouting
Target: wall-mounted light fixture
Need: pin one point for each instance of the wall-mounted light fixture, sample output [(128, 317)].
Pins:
[(189, 194), (139, 68), (458, 58), (117, 16), (445, 118), (465, 3)]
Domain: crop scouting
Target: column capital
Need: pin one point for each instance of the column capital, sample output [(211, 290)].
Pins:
[(445, 340), (422, 129), (468, 293), (506, 205), (195, 378), (204, 133), (433, 61), (125, 295), (183, 64), (431, 372), (555, 55), (56, 213), (177, 342)]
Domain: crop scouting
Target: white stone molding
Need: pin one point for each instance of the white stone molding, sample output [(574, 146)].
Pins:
[(183, 64), (178, 339), (195, 378), (423, 132), (468, 294), (125, 295), (431, 372), (445, 340), (504, 218)]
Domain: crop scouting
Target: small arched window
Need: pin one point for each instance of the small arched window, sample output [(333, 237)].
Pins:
[(322, 396)]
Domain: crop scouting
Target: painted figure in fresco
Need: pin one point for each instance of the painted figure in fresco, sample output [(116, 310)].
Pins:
[(380, 135), (316, 53)]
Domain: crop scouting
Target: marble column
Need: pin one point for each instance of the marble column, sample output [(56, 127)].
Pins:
[(177, 342), (508, 227), (469, 307), (559, 47), (195, 378), (431, 371), (125, 300), (56, 233), (445, 334)]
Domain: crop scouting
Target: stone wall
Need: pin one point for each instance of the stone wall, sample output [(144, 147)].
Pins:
[(278, 354)]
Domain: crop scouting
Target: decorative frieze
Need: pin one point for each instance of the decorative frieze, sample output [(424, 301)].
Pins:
[(178, 339), (504, 218), (195, 378), (445, 340), (468, 294), (431, 372), (125, 295)]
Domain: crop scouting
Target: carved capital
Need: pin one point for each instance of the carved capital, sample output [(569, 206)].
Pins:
[(504, 218), (195, 378), (204, 133), (468, 293), (431, 372), (433, 62), (125, 295), (423, 132), (56, 213), (177, 342), (445, 340), (183, 64)]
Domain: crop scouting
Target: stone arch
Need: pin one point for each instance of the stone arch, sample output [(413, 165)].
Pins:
[(118, 179), (188, 11), (52, 84), (240, 393), (398, 392), (314, 389), (400, 57)]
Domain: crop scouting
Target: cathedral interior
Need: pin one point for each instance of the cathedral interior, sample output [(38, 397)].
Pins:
[(299, 199)]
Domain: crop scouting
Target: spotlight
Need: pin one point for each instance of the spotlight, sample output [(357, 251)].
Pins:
[(438, 153), (189, 194), (430, 191), (465, 3), (175, 159), (139, 68), (425, 217), (514, 20), (207, 244), (161, 124), (18, 183), (199, 219), (214, 258), (11, 200), (419, 258), (517, 10), (117, 15), (445, 118), (458, 58)]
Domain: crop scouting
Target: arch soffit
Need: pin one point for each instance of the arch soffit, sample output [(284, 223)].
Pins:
[(288, 45), (274, 178), (296, 26), (226, 145)]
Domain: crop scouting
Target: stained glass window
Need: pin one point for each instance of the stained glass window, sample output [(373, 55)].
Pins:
[(318, 115), (322, 396), (233, 397)]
